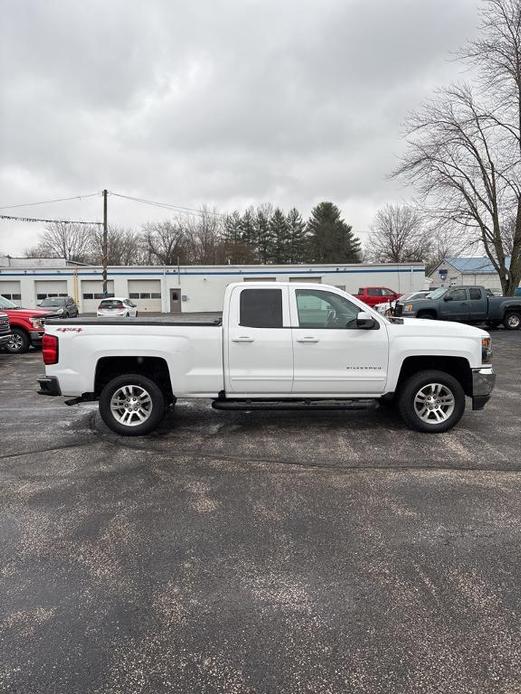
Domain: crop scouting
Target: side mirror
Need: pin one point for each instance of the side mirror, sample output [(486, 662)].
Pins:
[(365, 321)]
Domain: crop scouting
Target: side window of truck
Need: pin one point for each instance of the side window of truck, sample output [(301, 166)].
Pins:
[(457, 295), (261, 308), (475, 294), (321, 309)]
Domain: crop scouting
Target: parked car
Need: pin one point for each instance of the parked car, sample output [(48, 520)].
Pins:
[(116, 307), (278, 345), (26, 326), (468, 304), (5, 329), (63, 306), (372, 296)]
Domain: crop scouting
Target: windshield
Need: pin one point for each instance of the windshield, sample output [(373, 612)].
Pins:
[(52, 302), (437, 293), (5, 303)]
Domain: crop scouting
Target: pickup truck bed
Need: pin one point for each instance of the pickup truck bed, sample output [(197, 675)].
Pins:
[(183, 319)]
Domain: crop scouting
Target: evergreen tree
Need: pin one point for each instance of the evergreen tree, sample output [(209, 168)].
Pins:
[(236, 251), (331, 240), (247, 230), (263, 240), (297, 247), (280, 237)]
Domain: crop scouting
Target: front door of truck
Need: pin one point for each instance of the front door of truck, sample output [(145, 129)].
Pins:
[(259, 350), (454, 305), (478, 304), (331, 355)]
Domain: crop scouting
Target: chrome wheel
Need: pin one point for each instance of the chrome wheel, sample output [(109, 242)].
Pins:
[(513, 321), (131, 405), (16, 343), (434, 403)]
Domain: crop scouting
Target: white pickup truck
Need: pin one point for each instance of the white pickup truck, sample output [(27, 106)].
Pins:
[(276, 345)]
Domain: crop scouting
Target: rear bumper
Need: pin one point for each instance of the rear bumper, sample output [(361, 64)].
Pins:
[(483, 382), (49, 385)]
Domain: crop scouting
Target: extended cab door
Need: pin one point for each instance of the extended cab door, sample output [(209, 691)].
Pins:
[(478, 304), (331, 355), (454, 305), (258, 347)]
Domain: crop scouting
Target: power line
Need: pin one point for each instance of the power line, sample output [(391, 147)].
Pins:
[(48, 202), (50, 221), (168, 206)]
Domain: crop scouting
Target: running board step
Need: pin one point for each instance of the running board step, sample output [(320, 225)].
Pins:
[(302, 405)]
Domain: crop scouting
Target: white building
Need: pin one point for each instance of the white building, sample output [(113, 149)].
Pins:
[(189, 287), (466, 270)]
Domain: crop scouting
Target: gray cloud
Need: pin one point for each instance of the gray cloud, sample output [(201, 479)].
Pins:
[(228, 102)]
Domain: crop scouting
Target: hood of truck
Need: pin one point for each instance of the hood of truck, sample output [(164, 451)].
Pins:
[(437, 328), (28, 313)]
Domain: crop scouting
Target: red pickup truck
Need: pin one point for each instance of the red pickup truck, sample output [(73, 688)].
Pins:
[(26, 326), (5, 330), (372, 296)]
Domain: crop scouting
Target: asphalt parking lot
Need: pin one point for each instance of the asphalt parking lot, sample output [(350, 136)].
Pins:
[(259, 552)]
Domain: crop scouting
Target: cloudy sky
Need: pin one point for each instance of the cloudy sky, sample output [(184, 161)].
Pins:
[(223, 102)]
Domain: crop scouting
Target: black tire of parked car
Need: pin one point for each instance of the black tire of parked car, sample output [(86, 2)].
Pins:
[(19, 342), (412, 386), (152, 389), (512, 320)]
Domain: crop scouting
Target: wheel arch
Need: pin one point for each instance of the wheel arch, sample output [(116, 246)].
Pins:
[(155, 368), (459, 367)]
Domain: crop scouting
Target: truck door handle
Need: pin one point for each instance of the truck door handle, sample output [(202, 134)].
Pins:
[(308, 339), (243, 338)]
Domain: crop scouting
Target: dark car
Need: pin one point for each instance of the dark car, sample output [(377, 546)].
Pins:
[(468, 304), (5, 330), (63, 306)]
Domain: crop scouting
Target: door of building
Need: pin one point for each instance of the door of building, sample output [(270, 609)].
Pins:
[(175, 301)]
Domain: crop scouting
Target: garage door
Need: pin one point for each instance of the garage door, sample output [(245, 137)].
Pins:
[(12, 291), (92, 293), (146, 294), (45, 288)]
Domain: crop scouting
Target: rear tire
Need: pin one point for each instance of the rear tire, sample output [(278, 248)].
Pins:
[(512, 320), (19, 342), (431, 402), (132, 405)]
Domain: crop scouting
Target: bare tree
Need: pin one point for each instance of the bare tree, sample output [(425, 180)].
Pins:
[(398, 235), (64, 240), (125, 247), (464, 145), (204, 238), (165, 242)]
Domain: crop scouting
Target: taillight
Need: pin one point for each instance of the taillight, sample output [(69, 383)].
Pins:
[(50, 349)]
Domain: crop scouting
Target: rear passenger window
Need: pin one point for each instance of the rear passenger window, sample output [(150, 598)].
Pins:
[(475, 294), (261, 308)]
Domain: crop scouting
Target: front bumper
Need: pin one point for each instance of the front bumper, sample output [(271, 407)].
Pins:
[(4, 339), (49, 385), (36, 337), (483, 382)]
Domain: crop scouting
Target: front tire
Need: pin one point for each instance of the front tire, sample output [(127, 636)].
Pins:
[(431, 402), (512, 320), (19, 342), (132, 405)]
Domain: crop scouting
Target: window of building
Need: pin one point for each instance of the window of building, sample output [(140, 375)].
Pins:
[(261, 308)]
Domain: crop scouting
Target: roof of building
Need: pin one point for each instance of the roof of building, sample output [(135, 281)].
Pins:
[(473, 264)]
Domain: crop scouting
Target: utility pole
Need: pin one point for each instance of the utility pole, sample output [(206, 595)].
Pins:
[(105, 244)]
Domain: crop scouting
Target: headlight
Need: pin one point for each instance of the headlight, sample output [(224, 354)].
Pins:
[(37, 323), (59, 311), (486, 350), (408, 307)]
